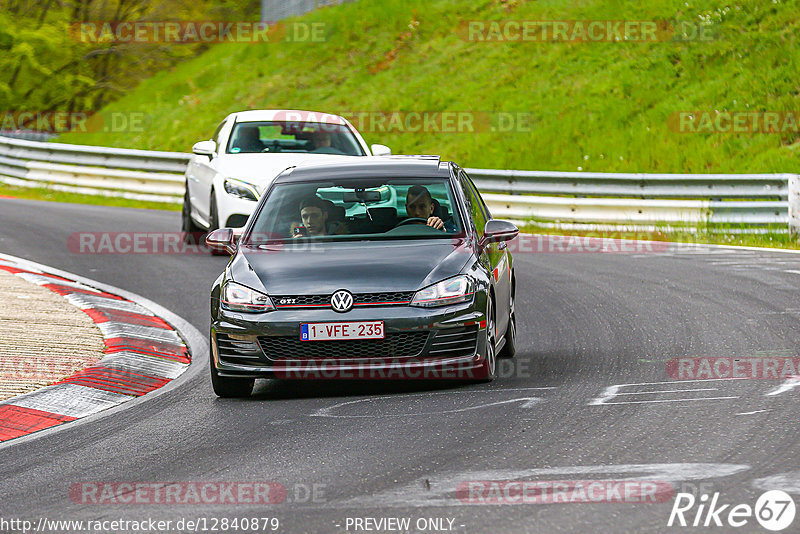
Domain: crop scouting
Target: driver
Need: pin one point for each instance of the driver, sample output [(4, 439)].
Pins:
[(314, 213), (322, 143), (321, 139), (419, 204), (250, 139)]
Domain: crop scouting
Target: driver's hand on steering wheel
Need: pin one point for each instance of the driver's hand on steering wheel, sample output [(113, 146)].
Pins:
[(436, 222)]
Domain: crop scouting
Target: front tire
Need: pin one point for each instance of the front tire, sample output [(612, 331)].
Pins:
[(488, 371), (213, 213), (214, 222), (510, 348), (230, 388), (191, 230)]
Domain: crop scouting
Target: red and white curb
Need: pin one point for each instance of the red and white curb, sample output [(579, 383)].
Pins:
[(143, 353)]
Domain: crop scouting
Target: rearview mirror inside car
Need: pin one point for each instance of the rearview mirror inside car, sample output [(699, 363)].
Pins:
[(361, 196)]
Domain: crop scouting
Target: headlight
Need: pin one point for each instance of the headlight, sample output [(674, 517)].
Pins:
[(236, 297), (240, 189), (451, 291)]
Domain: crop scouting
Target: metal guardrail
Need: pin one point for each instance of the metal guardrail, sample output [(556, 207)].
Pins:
[(274, 10), (126, 173), (559, 198), (619, 198), (30, 135)]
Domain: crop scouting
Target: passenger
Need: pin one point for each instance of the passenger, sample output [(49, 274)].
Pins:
[(314, 213), (419, 204)]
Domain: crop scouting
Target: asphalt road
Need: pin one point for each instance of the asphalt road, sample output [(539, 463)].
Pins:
[(587, 322)]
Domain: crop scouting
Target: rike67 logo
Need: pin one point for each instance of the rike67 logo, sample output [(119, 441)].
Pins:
[(774, 510)]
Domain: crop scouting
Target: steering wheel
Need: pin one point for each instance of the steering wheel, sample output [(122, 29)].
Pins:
[(272, 147), (412, 220)]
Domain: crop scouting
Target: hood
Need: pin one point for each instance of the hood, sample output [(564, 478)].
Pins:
[(359, 267), (261, 169)]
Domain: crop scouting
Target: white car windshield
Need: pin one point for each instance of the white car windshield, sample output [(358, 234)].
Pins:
[(293, 137), (362, 209)]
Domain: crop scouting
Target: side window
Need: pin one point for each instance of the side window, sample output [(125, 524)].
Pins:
[(480, 198), (474, 203)]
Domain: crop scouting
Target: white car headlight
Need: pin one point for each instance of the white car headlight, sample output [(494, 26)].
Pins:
[(236, 297), (241, 189), (451, 291)]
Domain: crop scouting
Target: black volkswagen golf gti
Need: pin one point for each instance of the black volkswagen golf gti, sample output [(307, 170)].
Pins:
[(385, 267)]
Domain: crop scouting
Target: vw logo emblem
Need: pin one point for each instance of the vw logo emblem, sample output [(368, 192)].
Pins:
[(342, 301)]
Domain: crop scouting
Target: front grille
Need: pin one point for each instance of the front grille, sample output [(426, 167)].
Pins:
[(302, 300), (386, 299), (454, 343), (394, 345), (359, 299), (239, 352)]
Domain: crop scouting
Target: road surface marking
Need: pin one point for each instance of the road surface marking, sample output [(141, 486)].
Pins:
[(612, 392), (527, 402), (787, 385)]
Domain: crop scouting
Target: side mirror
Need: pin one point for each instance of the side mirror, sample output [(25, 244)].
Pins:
[(222, 240), (381, 150), (204, 148), (497, 230)]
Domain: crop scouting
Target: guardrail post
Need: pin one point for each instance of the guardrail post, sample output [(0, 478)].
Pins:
[(794, 205)]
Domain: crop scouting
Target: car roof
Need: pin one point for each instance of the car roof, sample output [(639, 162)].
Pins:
[(372, 167), (293, 115)]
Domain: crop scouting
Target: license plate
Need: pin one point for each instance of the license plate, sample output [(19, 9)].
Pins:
[(341, 331)]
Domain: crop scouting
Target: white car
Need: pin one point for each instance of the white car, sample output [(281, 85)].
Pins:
[(228, 173)]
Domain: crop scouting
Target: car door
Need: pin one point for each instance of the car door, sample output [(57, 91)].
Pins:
[(495, 254), (202, 173)]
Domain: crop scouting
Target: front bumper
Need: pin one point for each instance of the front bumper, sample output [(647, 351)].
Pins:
[(420, 343), (233, 211)]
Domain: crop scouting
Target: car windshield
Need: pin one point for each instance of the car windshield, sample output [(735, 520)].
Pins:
[(357, 209), (293, 137)]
